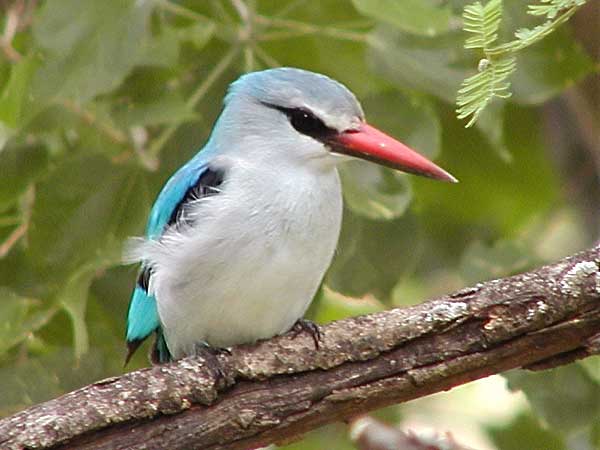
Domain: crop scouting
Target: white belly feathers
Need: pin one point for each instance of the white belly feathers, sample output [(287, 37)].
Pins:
[(245, 272)]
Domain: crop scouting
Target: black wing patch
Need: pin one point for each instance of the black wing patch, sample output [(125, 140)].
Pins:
[(208, 184), (143, 280)]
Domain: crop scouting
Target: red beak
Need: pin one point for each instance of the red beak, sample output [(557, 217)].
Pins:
[(369, 143)]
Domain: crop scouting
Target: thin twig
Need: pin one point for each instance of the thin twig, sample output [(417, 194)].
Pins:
[(21, 230), (221, 30), (265, 57), (309, 28), (219, 8), (9, 221), (182, 11), (288, 8), (520, 44), (13, 17), (13, 238), (212, 77), (279, 35), (27, 16), (114, 134), (245, 32), (249, 60), (344, 28), (242, 10)]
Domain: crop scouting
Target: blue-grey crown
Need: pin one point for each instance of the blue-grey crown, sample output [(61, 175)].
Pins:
[(291, 87)]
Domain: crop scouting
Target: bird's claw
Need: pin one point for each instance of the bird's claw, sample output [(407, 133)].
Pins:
[(210, 356), (309, 327)]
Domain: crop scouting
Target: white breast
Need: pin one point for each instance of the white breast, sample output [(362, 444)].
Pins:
[(253, 261)]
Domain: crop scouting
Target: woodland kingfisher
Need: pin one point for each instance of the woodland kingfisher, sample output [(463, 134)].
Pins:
[(239, 238)]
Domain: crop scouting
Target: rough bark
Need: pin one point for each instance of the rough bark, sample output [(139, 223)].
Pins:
[(278, 389)]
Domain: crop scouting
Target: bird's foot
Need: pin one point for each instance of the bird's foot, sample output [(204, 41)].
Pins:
[(210, 355), (309, 327)]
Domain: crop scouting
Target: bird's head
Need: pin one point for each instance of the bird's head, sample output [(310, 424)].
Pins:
[(289, 115)]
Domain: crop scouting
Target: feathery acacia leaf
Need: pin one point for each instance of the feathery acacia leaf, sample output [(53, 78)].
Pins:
[(498, 61), (551, 8), (491, 81), (478, 91), (483, 22)]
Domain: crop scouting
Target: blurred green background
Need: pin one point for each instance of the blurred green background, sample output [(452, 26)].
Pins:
[(102, 100)]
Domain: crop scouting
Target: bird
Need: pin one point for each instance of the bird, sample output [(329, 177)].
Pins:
[(240, 237)]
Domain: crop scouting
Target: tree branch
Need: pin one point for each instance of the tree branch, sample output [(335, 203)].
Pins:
[(278, 389)]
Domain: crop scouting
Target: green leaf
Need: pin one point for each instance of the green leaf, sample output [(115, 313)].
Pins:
[(106, 311), (333, 436), (592, 367), (163, 48), (73, 298), (595, 435), (13, 326), (481, 262), (334, 306), (92, 127), (491, 125), (22, 318), (198, 34), (18, 273), (19, 166), (493, 198), (567, 398), (90, 46), (374, 192), (551, 8), (85, 207), (15, 97), (409, 291), (499, 61), (169, 108), (477, 91), (48, 376), (524, 432), (373, 255), (482, 22), (382, 194), (424, 17), (333, 59), (431, 65), (564, 63), (160, 51)]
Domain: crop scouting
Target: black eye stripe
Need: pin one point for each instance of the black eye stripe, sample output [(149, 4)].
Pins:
[(305, 122)]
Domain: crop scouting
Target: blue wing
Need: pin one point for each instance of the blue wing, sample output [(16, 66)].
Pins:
[(142, 317), (171, 196)]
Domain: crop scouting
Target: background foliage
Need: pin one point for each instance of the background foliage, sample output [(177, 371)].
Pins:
[(101, 101)]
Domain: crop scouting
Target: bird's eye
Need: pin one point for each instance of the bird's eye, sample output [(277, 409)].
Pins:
[(306, 123)]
